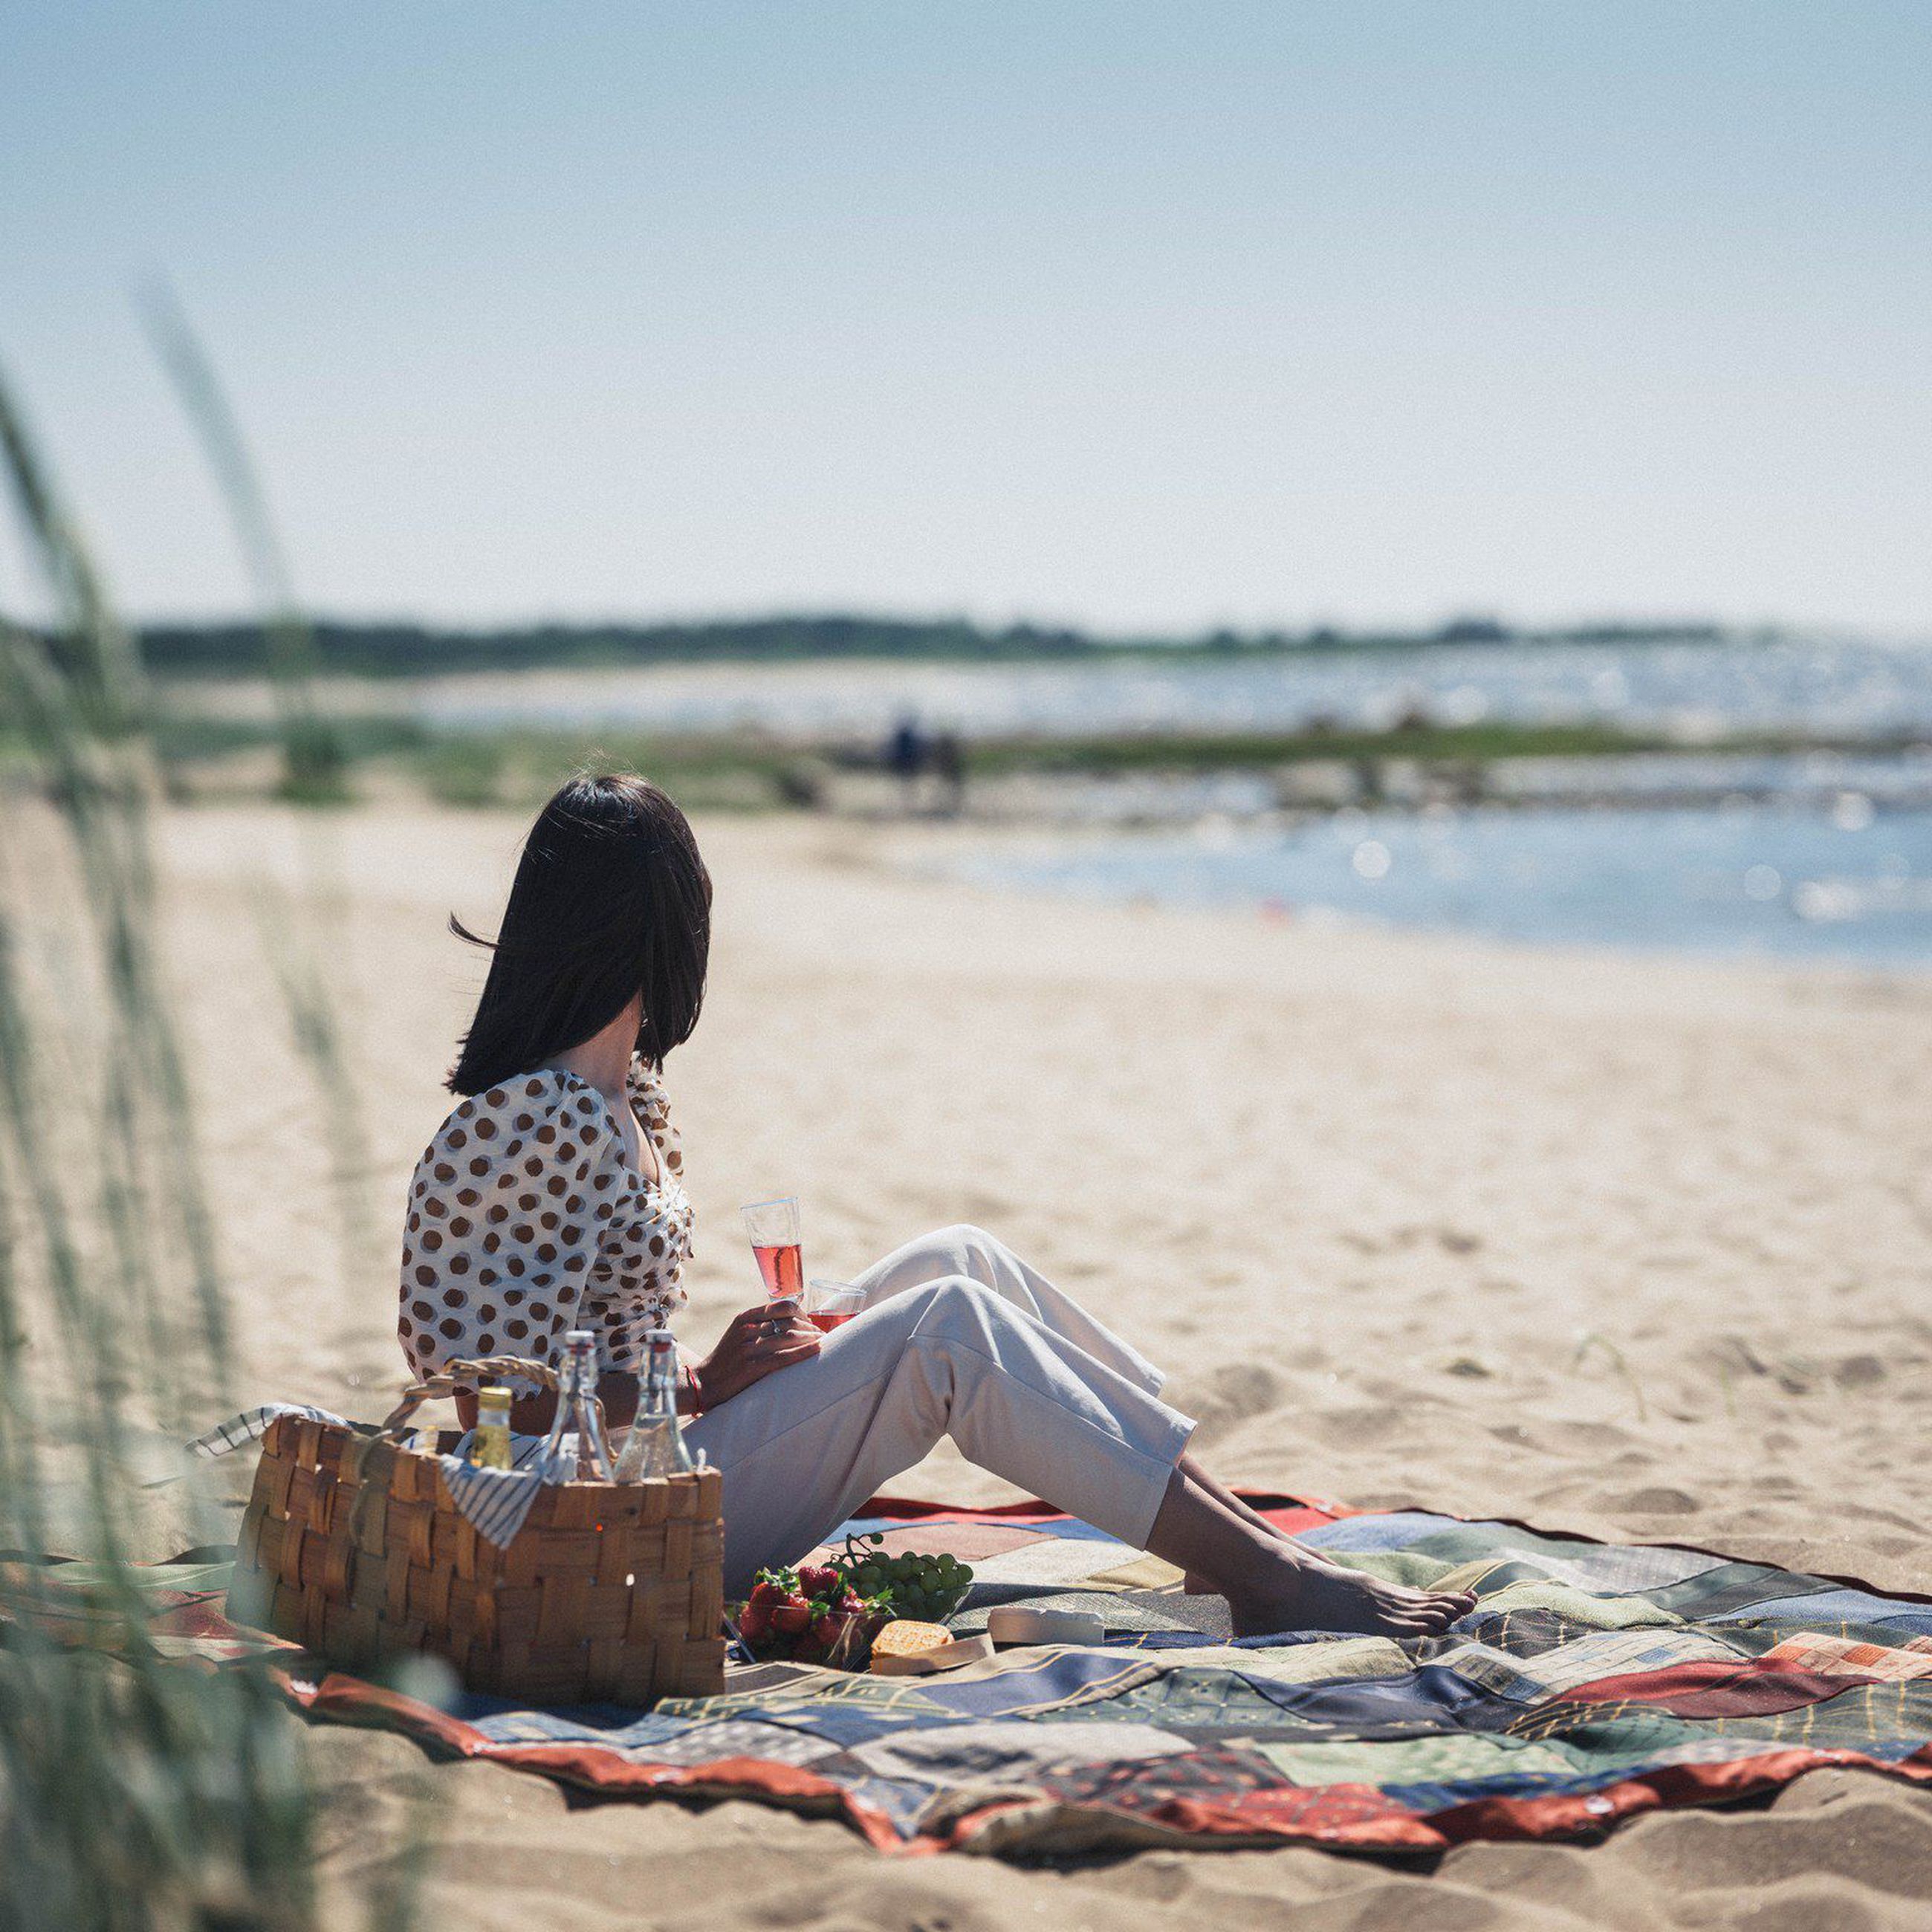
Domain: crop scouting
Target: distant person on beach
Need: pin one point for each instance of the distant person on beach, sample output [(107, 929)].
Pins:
[(553, 1198), (906, 754)]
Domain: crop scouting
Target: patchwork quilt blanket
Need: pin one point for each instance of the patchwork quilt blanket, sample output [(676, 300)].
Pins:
[(1593, 1682)]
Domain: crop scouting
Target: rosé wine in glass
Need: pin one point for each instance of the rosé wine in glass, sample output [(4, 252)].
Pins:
[(783, 1268), (773, 1228), (831, 1304)]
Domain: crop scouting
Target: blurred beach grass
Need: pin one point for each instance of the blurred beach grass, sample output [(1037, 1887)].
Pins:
[(136, 1791)]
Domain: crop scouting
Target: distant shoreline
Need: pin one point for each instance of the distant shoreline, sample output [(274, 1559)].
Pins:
[(331, 648)]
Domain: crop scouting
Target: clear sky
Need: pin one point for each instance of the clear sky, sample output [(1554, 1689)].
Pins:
[(1141, 316)]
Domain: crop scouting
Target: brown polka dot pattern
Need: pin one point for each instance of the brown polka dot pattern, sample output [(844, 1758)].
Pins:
[(525, 1218)]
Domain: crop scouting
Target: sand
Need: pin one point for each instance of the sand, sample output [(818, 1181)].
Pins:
[(1634, 1248)]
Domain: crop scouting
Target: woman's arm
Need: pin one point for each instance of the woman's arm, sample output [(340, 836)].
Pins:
[(502, 1233), (756, 1343)]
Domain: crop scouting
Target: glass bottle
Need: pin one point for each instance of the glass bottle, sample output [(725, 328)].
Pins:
[(655, 1444), (490, 1445), (577, 1414)]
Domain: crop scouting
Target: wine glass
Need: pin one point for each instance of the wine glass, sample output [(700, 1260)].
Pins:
[(773, 1226), (831, 1304)]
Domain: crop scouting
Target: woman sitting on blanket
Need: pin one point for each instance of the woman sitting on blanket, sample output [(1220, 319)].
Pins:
[(554, 1199)]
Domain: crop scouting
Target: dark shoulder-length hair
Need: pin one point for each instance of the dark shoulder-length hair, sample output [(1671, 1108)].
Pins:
[(610, 901)]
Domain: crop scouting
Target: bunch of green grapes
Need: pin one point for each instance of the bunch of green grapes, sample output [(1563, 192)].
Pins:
[(928, 1589)]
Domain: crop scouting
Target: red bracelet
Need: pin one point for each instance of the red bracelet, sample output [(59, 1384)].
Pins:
[(695, 1388)]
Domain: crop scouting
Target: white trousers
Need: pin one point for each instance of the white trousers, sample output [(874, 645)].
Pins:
[(959, 1337)]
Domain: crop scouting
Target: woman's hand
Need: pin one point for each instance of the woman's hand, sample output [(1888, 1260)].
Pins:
[(771, 1336)]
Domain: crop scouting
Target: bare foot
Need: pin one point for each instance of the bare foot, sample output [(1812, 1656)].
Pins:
[(1300, 1592)]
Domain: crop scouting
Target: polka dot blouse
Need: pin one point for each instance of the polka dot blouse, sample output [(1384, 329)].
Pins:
[(526, 1218)]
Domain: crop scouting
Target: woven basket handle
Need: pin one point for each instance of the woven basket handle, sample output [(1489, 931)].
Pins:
[(465, 1374)]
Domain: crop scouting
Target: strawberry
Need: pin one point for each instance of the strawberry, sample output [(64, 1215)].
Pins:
[(829, 1629), (755, 1625), (792, 1616), (817, 1580), (769, 1589)]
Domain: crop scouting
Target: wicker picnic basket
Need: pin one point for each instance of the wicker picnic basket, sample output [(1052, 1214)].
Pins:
[(352, 1547)]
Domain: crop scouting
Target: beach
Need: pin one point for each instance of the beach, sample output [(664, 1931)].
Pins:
[(1632, 1247)]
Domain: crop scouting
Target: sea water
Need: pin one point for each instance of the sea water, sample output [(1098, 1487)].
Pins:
[(1833, 685), (1850, 882)]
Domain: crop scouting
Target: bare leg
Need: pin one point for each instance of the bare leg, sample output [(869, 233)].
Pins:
[(1271, 1584), (1196, 1584), (1191, 1468)]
